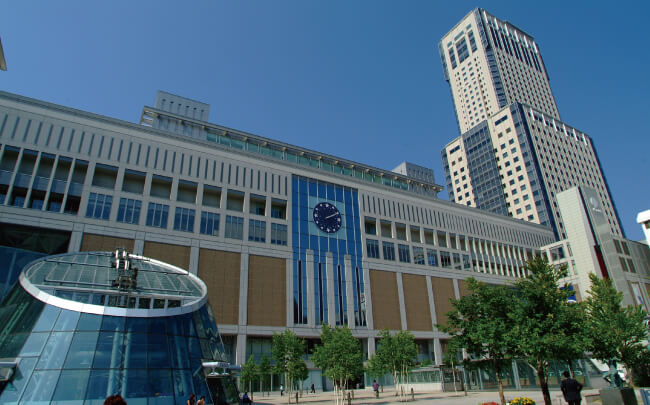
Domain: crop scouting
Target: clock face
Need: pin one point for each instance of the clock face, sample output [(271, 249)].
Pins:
[(327, 217)]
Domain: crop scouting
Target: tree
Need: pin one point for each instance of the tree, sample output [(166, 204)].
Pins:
[(395, 354), (616, 332), (249, 373), (264, 370), (339, 356), (543, 319), (481, 324), (287, 352)]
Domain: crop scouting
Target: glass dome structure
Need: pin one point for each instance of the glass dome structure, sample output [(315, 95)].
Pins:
[(79, 327)]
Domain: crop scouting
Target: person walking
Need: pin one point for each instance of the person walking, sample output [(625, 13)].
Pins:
[(313, 389), (281, 390), (571, 389), (201, 401), (375, 387), (191, 400)]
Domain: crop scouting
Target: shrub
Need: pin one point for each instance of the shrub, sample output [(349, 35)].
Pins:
[(522, 401)]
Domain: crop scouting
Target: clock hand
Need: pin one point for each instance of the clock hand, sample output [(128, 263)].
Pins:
[(330, 216)]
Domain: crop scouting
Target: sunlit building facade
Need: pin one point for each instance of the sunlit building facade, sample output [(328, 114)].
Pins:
[(282, 236)]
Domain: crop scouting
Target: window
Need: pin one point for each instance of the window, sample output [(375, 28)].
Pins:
[(278, 208), (99, 206), (209, 223), (404, 253), (389, 250), (129, 211), (157, 215), (372, 248), (105, 176), (445, 259), (256, 231), (279, 234), (257, 205), (235, 201), (234, 227), (211, 196), (184, 219), (418, 255), (467, 264), (370, 225), (432, 257)]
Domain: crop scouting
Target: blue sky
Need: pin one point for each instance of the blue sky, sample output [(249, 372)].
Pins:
[(356, 79)]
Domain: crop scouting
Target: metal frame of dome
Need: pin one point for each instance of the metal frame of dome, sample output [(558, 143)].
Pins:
[(37, 292)]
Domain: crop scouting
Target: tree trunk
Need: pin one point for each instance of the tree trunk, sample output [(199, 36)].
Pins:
[(541, 373), (497, 372)]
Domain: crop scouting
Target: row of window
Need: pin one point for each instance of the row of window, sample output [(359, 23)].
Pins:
[(99, 207), (420, 255)]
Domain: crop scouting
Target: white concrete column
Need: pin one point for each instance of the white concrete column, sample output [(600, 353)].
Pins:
[(456, 290), (138, 243), (349, 290), (311, 304), (329, 265), (240, 353), (243, 291), (400, 297), (75, 238), (372, 346), (437, 350), (194, 257), (368, 301)]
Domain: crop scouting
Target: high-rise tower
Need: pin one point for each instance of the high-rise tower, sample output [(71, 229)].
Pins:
[(514, 154)]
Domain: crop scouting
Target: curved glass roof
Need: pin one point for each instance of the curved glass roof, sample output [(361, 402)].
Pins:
[(96, 272)]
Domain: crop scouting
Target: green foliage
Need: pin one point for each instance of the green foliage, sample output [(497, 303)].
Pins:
[(264, 369), (249, 373), (546, 326), (339, 355), (481, 324), (616, 332), (395, 354), (641, 369), (287, 352)]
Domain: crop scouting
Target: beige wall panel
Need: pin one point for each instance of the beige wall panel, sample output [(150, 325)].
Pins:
[(385, 300), (220, 273), (416, 302), (176, 255), (91, 243), (443, 291), (267, 291)]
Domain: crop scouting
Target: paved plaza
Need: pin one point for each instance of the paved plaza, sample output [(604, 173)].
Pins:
[(388, 397)]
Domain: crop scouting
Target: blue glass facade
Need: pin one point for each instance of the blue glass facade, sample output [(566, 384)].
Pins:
[(306, 193), (65, 356)]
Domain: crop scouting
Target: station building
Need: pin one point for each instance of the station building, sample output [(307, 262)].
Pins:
[(283, 236)]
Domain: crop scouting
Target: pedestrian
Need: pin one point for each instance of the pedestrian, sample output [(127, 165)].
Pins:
[(201, 401), (313, 389), (246, 399), (281, 390), (571, 389), (114, 400), (375, 387), (191, 400)]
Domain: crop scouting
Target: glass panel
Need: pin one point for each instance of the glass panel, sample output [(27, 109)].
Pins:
[(14, 389), (47, 319), (71, 387), (109, 350), (135, 355), (156, 325), (157, 351), (41, 387), (67, 320), (136, 391), (179, 352), (113, 323), (55, 350), (161, 391), (136, 325), (98, 386), (34, 344), (82, 350), (89, 322), (183, 385)]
